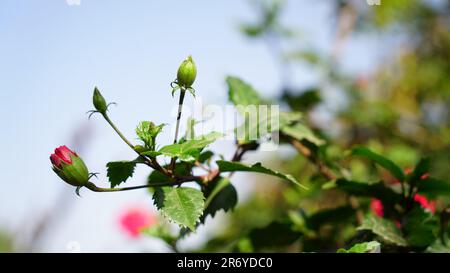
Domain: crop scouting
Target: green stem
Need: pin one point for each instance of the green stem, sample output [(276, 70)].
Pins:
[(153, 163), (178, 182), (180, 109), (119, 132)]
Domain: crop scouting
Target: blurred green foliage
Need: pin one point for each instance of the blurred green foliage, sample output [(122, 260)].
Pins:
[(400, 111)]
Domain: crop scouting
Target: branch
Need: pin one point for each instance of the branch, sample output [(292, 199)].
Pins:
[(306, 152), (150, 162), (178, 182)]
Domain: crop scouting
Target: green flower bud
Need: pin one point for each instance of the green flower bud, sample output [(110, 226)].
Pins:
[(187, 73), (69, 167), (99, 101)]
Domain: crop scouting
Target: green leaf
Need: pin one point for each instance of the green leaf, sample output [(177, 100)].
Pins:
[(385, 229), (241, 93), (303, 100), (289, 118), (120, 171), (420, 228), (366, 247), (220, 195), (190, 149), (147, 132), (438, 247), (300, 131), (228, 166), (421, 168), (334, 215), (275, 234), (395, 170), (375, 190), (263, 122), (181, 169), (432, 187), (181, 205), (205, 156)]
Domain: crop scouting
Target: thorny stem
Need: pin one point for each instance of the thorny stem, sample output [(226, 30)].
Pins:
[(180, 109)]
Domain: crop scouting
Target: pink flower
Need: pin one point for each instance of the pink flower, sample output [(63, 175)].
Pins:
[(377, 207), (62, 153), (135, 219), (425, 203)]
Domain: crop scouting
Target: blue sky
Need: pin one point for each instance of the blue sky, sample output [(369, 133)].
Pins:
[(52, 55)]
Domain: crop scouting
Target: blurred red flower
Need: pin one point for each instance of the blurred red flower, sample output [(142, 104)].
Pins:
[(133, 220), (425, 203), (377, 207)]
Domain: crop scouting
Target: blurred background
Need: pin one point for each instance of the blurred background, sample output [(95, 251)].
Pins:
[(367, 74)]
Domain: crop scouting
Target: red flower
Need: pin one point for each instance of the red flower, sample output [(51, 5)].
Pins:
[(62, 154), (377, 207), (136, 219), (423, 201)]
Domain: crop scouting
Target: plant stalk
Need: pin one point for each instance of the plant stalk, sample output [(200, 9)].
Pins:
[(177, 126)]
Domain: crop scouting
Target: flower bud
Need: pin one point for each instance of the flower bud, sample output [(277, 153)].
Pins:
[(99, 101), (187, 73), (69, 167)]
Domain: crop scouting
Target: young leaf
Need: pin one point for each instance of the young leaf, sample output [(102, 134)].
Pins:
[(189, 150), (395, 170), (241, 93), (228, 166), (220, 195), (147, 132), (366, 247), (181, 205), (120, 171), (385, 229)]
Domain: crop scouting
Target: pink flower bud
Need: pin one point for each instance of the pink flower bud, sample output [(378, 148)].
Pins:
[(69, 166), (62, 153)]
